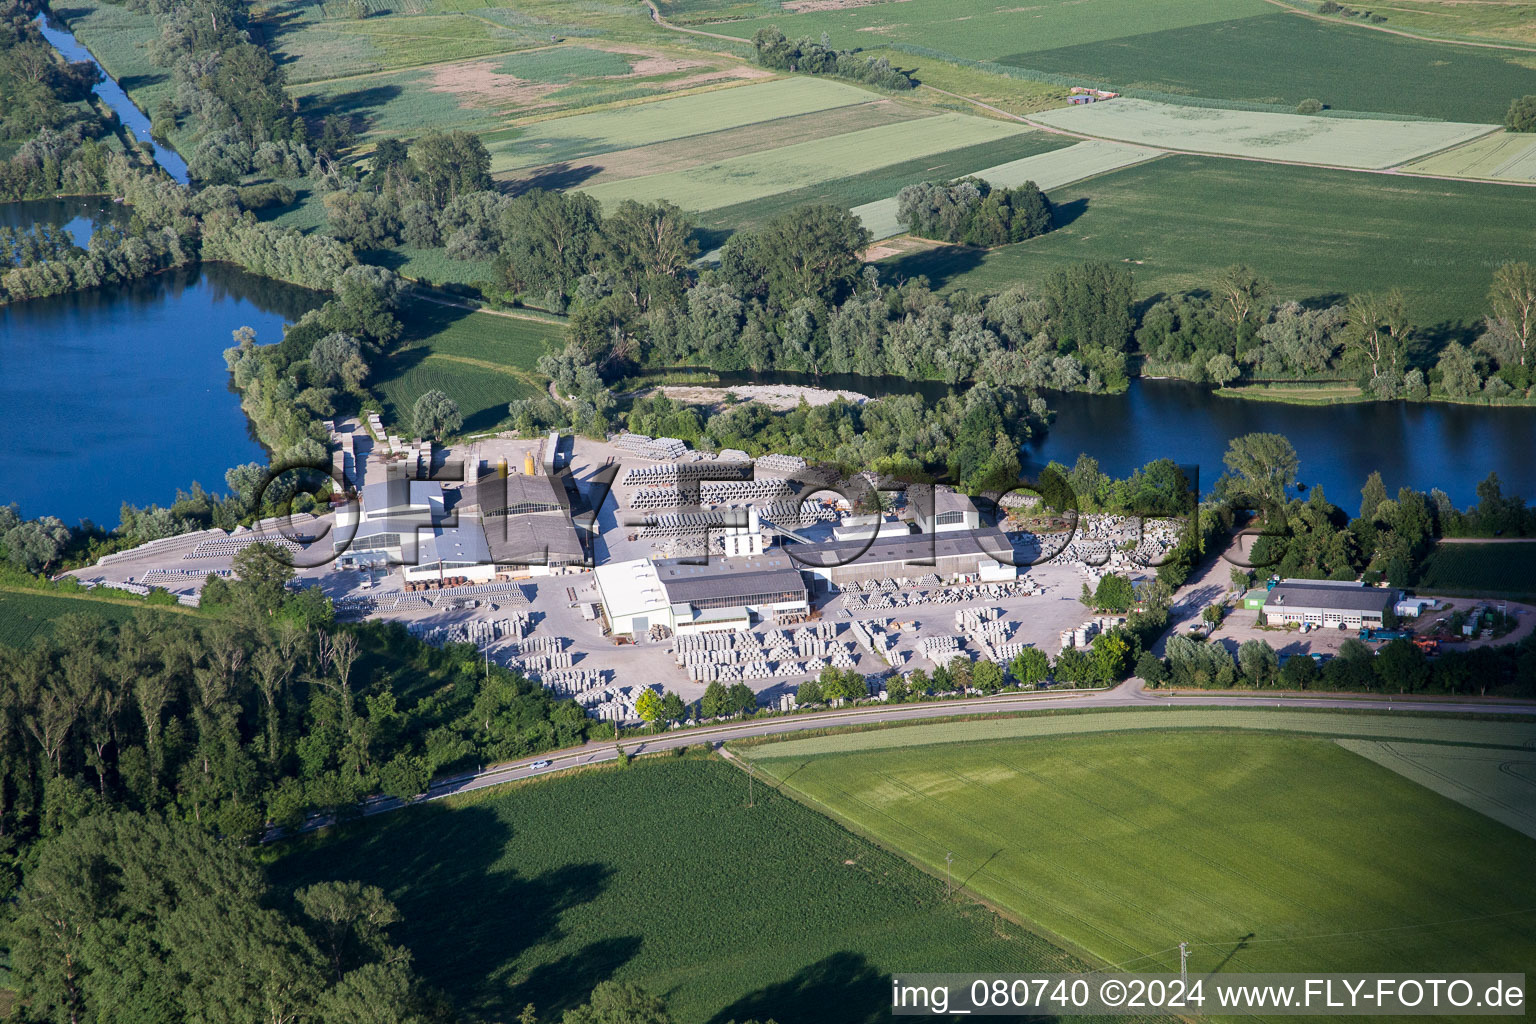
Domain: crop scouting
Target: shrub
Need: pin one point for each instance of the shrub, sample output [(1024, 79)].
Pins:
[(1522, 115), (1310, 106)]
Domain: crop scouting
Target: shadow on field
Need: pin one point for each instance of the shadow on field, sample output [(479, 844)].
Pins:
[(1065, 213), (466, 912), (551, 178), (355, 106), (843, 987), (937, 265), (568, 982)]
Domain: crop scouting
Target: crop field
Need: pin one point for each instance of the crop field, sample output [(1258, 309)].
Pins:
[(979, 29), (883, 182), (1346, 142), (1048, 170), (1282, 58), (1502, 155), (1177, 221), (1265, 852), (25, 616), (480, 360), (318, 40), (1455, 19), (745, 178), (586, 135), (481, 95), (1500, 784), (1507, 570), (1014, 94), (681, 154), (660, 875)]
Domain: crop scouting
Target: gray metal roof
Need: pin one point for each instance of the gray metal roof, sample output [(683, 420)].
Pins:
[(462, 543), (1327, 595), (728, 577), (533, 539), (918, 548), (493, 493)]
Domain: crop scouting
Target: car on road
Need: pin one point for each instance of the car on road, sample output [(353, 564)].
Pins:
[(539, 764)]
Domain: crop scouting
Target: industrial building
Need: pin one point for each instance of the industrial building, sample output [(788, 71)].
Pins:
[(1332, 604), (689, 597), (986, 554), (526, 518)]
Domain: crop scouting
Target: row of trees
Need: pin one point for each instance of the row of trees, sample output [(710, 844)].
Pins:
[(775, 50), (1233, 331)]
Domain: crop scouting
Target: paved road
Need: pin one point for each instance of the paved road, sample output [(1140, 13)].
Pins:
[(1130, 694)]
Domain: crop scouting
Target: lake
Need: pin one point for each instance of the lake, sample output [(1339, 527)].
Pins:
[(1416, 444), (121, 394)]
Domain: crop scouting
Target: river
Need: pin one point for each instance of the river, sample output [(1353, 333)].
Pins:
[(134, 119), (1416, 444)]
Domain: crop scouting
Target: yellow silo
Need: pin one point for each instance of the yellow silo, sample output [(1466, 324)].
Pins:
[(528, 463)]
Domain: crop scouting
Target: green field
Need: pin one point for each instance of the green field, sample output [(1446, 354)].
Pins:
[(1342, 141), (1500, 155), (662, 876), (1506, 570), (1177, 221), (1508, 23), (480, 360), (25, 616), (585, 135), (1266, 852), (984, 29), (754, 176), (1500, 784), (1282, 58)]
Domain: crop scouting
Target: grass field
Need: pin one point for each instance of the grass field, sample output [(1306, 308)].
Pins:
[(1295, 394), (586, 135), (1500, 155), (983, 29), (1283, 58), (1505, 570), (1347, 142), (753, 176), (663, 876), (1048, 170), (1265, 852), (25, 616), (1177, 221), (1016, 95), (480, 360)]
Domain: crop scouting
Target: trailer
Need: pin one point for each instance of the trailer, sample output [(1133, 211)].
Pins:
[(1383, 635)]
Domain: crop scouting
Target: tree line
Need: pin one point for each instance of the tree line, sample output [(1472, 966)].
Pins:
[(775, 50)]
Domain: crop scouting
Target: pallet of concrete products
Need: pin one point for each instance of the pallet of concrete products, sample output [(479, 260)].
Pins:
[(972, 618), (541, 645), (569, 682), (656, 497), (939, 648), (775, 463), (544, 662), (1006, 652), (842, 659), (651, 447), (730, 492)]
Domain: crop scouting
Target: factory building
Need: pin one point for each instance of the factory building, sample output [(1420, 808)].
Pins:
[(526, 519), (688, 597), (1330, 604), (384, 528), (941, 510)]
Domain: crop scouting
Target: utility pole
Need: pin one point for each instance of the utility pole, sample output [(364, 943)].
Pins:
[(949, 886), (1184, 963)]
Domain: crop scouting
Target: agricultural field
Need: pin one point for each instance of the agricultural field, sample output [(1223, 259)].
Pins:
[(881, 183), (1340, 141), (1476, 570), (1012, 93), (972, 29), (1047, 170), (1510, 23), (745, 178), (1502, 155), (1500, 784), (25, 615), (480, 360), (483, 94), (320, 40), (1266, 851), (582, 136), (1177, 221), (661, 875), (1281, 58)]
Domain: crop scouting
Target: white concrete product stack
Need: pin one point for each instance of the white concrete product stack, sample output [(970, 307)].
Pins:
[(787, 702), (939, 649), (1082, 636), (474, 631), (570, 682), (536, 665), (541, 645), (656, 497), (221, 546), (161, 577), (734, 492), (970, 619), (155, 546), (775, 463), (873, 637), (1005, 652), (792, 514), (651, 447)]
